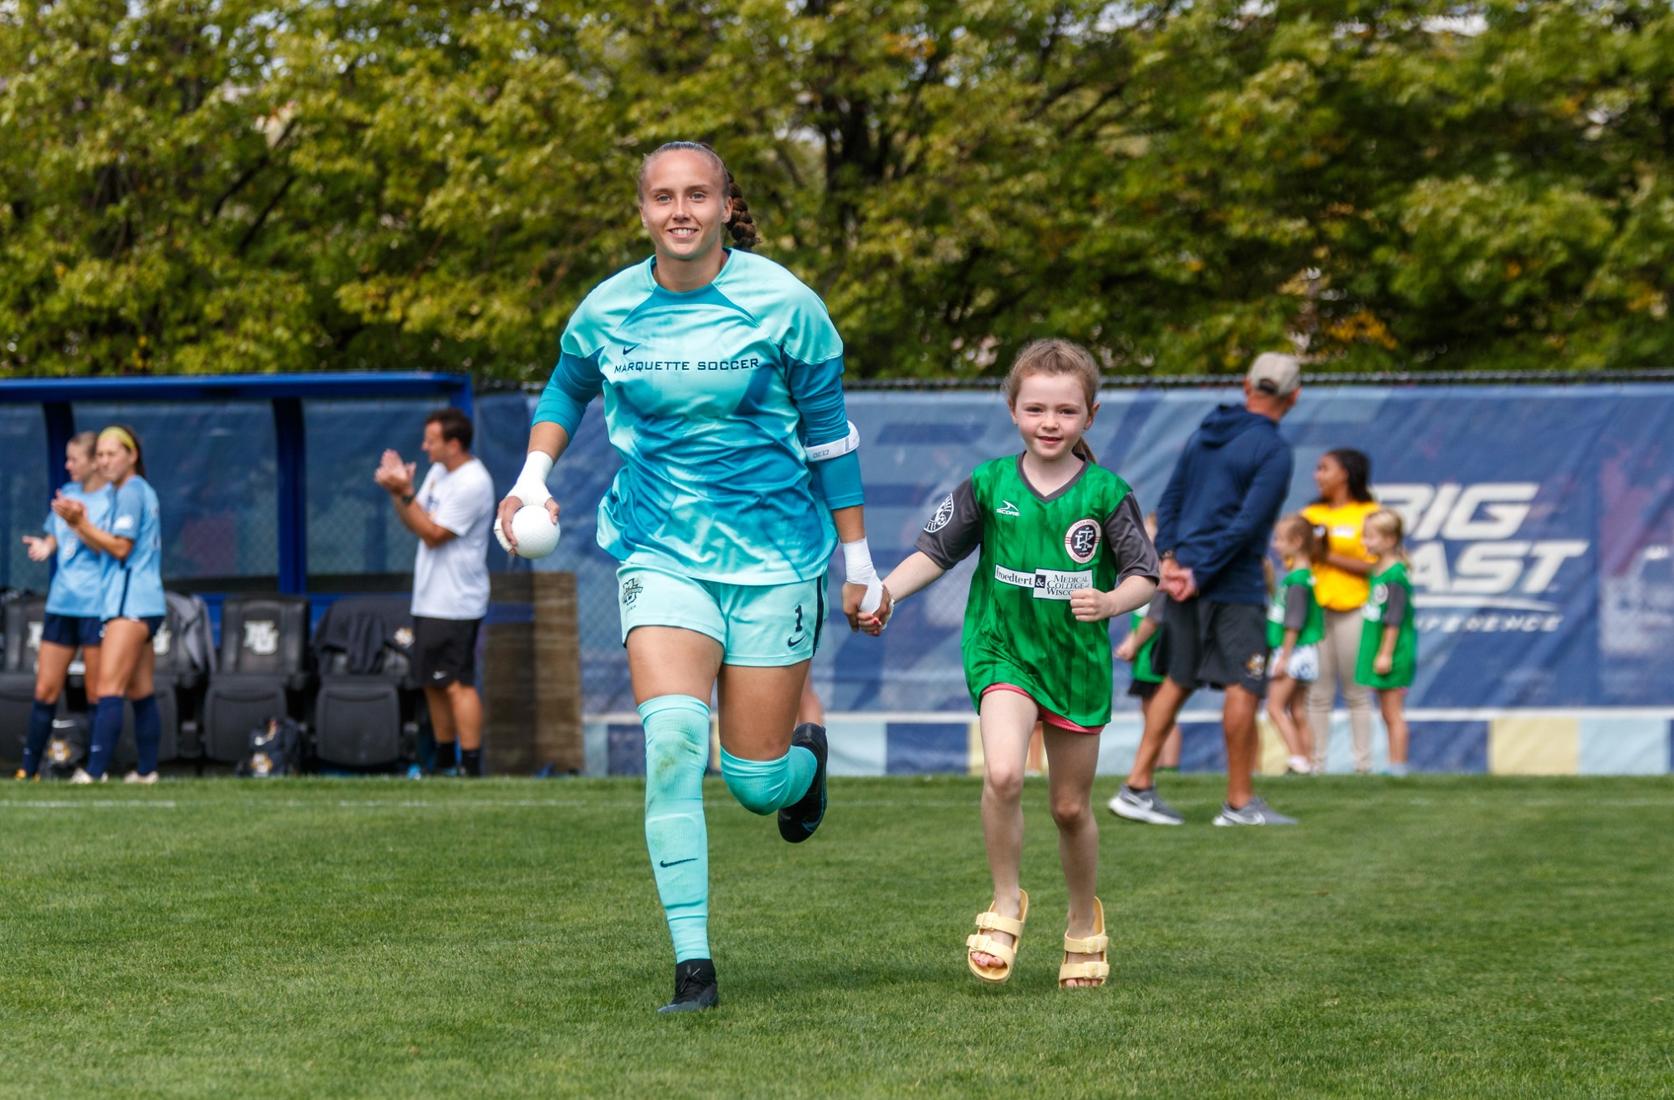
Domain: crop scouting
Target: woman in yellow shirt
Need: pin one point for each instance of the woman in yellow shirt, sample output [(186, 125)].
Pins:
[(1345, 500)]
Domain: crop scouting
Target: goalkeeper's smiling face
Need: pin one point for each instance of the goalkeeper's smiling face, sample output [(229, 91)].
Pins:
[(684, 206)]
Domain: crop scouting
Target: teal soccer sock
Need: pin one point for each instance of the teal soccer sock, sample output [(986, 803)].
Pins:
[(763, 786), (676, 756)]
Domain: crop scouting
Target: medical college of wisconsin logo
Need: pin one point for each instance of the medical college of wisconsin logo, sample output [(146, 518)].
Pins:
[(1082, 540)]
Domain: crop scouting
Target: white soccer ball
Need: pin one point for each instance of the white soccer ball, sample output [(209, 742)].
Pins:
[(535, 531)]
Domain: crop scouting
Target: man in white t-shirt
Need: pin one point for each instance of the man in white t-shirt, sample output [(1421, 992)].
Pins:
[(451, 513)]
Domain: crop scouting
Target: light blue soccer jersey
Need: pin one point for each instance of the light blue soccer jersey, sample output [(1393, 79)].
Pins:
[(133, 588), (76, 582), (711, 399)]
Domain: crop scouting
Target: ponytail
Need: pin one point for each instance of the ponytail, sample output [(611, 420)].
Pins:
[(742, 225), (1310, 540)]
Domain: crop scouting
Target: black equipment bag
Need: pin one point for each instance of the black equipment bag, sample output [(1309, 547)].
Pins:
[(275, 749)]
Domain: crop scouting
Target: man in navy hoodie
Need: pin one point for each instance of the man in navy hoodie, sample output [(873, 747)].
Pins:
[(1213, 524)]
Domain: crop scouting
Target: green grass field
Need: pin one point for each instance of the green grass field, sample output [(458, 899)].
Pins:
[(1434, 936)]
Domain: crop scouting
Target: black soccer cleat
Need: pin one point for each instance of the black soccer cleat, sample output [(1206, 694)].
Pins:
[(798, 821), (694, 987)]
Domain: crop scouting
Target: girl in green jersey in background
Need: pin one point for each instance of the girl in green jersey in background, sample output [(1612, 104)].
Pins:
[(1063, 551), (1389, 640), (1295, 625)]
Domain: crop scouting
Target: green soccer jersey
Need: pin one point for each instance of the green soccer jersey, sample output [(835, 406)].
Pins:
[(1143, 669), (1294, 608), (1036, 550), (1390, 605)]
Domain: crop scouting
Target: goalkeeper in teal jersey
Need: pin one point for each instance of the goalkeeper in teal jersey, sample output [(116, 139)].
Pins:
[(722, 383), (1063, 550)]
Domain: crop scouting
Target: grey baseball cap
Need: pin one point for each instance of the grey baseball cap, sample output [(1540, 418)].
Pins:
[(1275, 373)]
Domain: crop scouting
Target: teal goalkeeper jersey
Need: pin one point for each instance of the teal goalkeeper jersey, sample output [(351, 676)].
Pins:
[(712, 398)]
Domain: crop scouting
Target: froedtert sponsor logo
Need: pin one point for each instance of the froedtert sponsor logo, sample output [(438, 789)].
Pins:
[(1046, 584)]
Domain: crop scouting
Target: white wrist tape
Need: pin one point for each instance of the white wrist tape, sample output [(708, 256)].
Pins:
[(825, 452), (530, 486), (857, 564)]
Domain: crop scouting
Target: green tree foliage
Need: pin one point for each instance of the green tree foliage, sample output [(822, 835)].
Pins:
[(229, 185)]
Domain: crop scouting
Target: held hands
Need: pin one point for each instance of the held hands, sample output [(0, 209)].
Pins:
[(1383, 663), (393, 475), (871, 622), (40, 549)]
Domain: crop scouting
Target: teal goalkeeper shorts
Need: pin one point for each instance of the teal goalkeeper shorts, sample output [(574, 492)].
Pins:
[(760, 625)]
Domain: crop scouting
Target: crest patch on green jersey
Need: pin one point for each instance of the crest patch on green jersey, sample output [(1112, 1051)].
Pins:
[(1082, 540)]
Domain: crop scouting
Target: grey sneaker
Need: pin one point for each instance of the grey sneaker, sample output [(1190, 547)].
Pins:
[(1144, 806), (1254, 812)]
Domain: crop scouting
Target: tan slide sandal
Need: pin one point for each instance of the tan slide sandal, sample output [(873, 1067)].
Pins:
[(982, 940), (1096, 944)]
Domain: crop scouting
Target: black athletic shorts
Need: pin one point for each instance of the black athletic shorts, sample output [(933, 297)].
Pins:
[(1215, 644), (1143, 689), (71, 630), (445, 650)]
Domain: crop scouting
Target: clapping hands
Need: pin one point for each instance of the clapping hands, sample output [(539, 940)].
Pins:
[(393, 475), (70, 511)]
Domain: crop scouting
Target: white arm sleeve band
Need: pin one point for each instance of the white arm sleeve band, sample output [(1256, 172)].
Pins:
[(824, 452), (857, 563), (530, 486)]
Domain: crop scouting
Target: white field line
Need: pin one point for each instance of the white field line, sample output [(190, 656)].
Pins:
[(97, 804)]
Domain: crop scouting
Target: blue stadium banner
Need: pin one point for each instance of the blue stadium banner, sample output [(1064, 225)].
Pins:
[(1541, 525)]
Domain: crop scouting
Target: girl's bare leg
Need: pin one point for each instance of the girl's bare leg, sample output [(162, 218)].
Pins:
[(1007, 720)]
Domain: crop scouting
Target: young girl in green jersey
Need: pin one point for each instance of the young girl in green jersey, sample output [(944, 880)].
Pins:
[(1063, 550), (1389, 641), (1295, 625)]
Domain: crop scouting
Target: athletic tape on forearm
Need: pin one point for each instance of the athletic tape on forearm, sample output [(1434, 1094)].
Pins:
[(857, 564), (530, 486), (825, 452)]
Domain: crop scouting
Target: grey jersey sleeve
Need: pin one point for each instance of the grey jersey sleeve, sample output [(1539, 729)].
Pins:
[(1296, 607), (1124, 533), (955, 530), (1395, 610), (1159, 603)]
